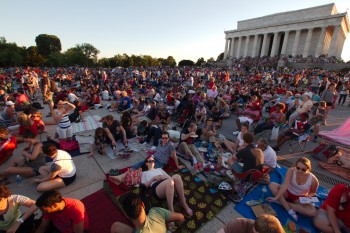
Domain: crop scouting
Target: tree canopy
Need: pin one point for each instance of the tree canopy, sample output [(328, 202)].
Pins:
[(48, 44), (47, 52)]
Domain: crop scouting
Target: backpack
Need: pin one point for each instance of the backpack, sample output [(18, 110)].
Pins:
[(52, 85), (324, 151)]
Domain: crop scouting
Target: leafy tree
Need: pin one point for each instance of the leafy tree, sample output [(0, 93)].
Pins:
[(75, 56), (89, 50), (11, 54), (57, 59), (220, 57), (211, 59), (34, 58), (186, 63), (171, 61), (200, 61), (104, 62), (48, 44)]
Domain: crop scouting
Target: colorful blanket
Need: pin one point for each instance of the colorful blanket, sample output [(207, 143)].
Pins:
[(204, 201), (340, 134), (277, 176), (89, 123)]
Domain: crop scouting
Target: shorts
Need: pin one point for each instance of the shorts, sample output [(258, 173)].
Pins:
[(291, 197), (64, 132), (322, 214), (243, 119), (154, 187), (68, 180), (329, 104)]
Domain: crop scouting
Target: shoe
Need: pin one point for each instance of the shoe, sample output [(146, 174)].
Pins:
[(253, 202), (236, 196), (144, 143), (200, 167), (277, 149), (235, 133), (292, 213), (195, 168), (128, 149), (153, 148)]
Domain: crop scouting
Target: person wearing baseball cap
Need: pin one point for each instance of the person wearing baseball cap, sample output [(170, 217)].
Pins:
[(7, 116)]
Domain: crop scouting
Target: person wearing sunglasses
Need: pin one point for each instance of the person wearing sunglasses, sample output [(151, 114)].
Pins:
[(161, 184), (298, 182), (334, 213)]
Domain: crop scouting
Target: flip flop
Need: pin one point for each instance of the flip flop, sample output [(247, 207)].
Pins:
[(253, 202)]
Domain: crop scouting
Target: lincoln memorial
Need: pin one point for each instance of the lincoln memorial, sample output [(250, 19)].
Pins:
[(312, 31)]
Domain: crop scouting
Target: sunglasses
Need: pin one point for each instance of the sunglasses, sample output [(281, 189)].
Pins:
[(150, 161), (301, 169)]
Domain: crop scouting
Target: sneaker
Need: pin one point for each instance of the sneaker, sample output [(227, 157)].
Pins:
[(292, 213), (153, 148), (235, 133)]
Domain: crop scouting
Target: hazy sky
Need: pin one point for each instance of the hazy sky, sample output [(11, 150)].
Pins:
[(184, 29)]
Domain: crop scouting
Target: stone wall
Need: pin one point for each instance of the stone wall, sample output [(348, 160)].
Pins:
[(325, 66)]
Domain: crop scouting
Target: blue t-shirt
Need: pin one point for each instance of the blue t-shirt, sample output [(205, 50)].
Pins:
[(128, 104)]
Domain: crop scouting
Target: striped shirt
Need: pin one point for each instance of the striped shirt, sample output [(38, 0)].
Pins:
[(64, 122)]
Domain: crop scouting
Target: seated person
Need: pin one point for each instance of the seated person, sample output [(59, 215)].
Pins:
[(264, 223), (125, 102), (143, 112), (21, 99), (94, 98), (8, 115), (249, 115), (32, 159), (61, 173), (334, 213), (208, 131), (275, 118), (161, 184), (250, 156), (224, 108), (317, 118), (155, 221), (8, 143), (11, 206), (99, 142), (200, 114), (217, 116), (298, 182), (164, 151), (186, 146), (115, 131), (270, 157), (305, 107), (64, 214), (127, 123), (300, 130)]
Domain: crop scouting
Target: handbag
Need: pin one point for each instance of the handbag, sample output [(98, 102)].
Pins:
[(133, 177), (274, 133), (69, 145)]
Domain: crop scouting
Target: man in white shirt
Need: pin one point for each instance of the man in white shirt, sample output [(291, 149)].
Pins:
[(270, 157)]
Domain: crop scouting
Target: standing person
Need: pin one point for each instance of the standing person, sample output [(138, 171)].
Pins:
[(334, 213), (298, 182), (264, 223), (65, 215), (12, 220), (328, 97), (61, 116), (47, 88), (61, 173), (344, 92), (154, 221)]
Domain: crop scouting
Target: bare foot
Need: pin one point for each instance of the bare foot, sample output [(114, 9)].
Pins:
[(189, 211)]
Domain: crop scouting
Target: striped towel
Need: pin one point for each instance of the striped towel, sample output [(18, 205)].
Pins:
[(89, 123)]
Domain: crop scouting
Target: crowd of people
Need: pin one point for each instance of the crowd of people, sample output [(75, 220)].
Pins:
[(150, 100)]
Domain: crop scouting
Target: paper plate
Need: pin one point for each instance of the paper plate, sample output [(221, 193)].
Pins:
[(194, 136)]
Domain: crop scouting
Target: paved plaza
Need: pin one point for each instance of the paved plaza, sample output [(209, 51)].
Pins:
[(90, 171)]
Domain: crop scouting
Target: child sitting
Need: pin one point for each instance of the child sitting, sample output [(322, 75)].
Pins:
[(100, 141), (317, 118)]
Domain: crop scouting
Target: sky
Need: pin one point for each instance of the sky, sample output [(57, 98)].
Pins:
[(183, 29)]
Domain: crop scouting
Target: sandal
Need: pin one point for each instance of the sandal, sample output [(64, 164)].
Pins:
[(253, 202), (224, 186)]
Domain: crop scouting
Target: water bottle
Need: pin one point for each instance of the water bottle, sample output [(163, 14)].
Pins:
[(19, 180), (263, 190)]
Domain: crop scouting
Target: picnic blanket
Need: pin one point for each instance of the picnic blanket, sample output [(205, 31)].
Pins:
[(277, 176), (335, 169), (89, 123), (340, 134), (98, 203), (203, 200)]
